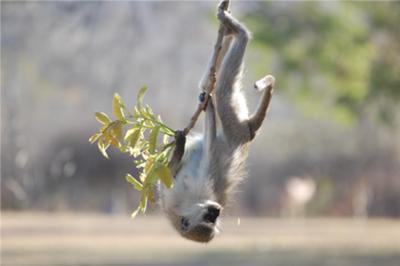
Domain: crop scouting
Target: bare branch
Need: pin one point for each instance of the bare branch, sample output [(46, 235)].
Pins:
[(212, 77)]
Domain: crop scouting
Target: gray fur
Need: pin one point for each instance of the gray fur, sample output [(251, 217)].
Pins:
[(214, 163)]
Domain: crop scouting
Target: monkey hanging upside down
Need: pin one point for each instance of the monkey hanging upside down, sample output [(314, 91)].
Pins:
[(207, 168)]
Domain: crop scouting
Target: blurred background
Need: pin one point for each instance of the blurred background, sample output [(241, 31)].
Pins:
[(324, 173)]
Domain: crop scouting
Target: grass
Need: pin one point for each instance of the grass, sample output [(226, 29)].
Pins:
[(87, 239)]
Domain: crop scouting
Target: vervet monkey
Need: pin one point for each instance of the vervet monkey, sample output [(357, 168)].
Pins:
[(207, 168)]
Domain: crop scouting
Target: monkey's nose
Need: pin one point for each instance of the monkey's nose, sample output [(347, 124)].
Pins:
[(212, 214)]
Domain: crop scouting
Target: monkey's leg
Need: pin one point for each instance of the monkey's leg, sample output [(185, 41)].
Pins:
[(210, 128), (210, 136), (265, 84), (231, 104)]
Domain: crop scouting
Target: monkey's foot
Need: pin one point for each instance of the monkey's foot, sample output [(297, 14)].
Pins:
[(223, 5), (265, 82)]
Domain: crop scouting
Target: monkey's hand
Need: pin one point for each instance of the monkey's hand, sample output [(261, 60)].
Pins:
[(180, 141)]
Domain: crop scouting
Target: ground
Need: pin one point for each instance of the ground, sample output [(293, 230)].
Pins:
[(34, 239)]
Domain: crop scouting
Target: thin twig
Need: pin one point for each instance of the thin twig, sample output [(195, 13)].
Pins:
[(212, 77)]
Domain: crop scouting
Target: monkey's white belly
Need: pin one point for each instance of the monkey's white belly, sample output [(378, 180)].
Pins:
[(191, 160)]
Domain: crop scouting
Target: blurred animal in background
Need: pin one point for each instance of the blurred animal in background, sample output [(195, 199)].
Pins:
[(299, 190), (208, 167)]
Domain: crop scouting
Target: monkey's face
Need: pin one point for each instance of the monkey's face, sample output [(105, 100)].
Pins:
[(192, 212), (198, 222)]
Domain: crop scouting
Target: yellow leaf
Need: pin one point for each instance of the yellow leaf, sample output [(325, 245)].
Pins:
[(142, 177), (134, 138), (152, 197), (114, 142), (102, 118), (165, 175), (149, 165), (129, 133), (136, 184), (136, 112), (103, 147), (165, 139), (143, 200), (133, 215), (115, 133), (159, 119), (117, 130), (140, 96), (149, 112), (94, 137), (153, 139), (151, 178), (117, 107)]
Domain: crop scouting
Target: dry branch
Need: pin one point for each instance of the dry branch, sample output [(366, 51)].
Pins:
[(212, 77)]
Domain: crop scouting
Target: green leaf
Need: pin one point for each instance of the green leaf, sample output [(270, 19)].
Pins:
[(151, 196), (103, 147), (136, 184), (114, 142), (149, 113), (148, 166), (136, 112), (151, 177), (165, 175), (140, 96), (165, 139), (94, 137), (133, 215), (143, 200), (166, 130), (141, 144), (102, 118), (153, 139), (133, 140), (117, 107), (116, 130), (129, 133)]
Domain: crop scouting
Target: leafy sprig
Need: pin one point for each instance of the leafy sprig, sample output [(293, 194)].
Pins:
[(137, 133)]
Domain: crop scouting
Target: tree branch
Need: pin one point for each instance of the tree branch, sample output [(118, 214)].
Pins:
[(212, 77)]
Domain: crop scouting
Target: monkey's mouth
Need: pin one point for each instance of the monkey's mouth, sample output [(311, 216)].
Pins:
[(209, 218), (211, 215)]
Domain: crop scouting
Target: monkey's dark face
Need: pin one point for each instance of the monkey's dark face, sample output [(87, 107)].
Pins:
[(199, 222), (191, 207)]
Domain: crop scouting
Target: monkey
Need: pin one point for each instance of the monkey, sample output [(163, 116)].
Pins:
[(208, 167)]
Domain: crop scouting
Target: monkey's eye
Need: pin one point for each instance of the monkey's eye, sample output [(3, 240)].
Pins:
[(184, 223)]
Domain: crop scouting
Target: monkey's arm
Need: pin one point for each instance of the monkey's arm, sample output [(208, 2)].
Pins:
[(174, 163), (210, 129)]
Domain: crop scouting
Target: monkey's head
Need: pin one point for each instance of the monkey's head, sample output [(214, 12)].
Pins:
[(192, 211)]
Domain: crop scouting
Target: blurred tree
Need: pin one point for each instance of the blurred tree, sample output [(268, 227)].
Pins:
[(332, 58), (340, 61)]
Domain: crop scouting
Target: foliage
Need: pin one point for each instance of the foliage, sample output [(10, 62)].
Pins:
[(334, 58), (136, 133)]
